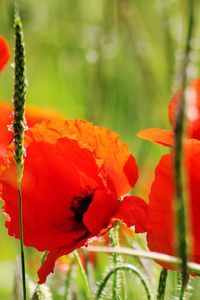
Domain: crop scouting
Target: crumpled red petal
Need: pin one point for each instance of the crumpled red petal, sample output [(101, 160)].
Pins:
[(192, 157), (52, 256), (119, 162), (53, 174), (159, 136), (133, 211), (103, 206), (4, 53), (161, 233), (161, 229)]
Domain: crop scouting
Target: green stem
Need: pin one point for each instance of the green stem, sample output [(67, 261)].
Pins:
[(18, 128), (182, 285), (118, 278), (178, 150), (125, 267), (162, 284), (22, 241), (84, 277), (44, 257), (176, 261), (17, 8), (186, 291), (123, 290), (68, 281)]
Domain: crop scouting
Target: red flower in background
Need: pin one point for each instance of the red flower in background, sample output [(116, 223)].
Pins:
[(74, 175), (161, 233), (33, 116), (4, 53)]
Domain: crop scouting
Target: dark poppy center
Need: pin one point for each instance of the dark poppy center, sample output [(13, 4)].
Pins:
[(80, 204)]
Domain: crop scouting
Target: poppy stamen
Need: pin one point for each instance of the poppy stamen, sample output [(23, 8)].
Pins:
[(80, 204)]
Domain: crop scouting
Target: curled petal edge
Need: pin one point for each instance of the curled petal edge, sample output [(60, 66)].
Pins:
[(158, 136)]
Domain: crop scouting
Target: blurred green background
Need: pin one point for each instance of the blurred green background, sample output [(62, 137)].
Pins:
[(113, 62)]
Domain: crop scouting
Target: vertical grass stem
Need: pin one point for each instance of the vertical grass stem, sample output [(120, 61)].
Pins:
[(178, 155), (84, 276), (118, 289), (19, 127), (162, 284)]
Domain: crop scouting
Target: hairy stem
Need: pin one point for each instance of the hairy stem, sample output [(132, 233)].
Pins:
[(124, 267), (118, 278)]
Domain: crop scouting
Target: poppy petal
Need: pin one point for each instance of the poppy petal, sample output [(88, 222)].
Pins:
[(161, 235), (4, 53), (48, 266), (134, 212), (192, 153), (173, 106), (192, 108), (161, 229), (100, 211), (49, 168), (119, 162), (158, 136)]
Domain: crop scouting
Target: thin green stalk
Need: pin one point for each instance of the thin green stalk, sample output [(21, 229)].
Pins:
[(114, 241), (44, 257), (124, 267), (18, 129), (22, 242), (176, 261), (118, 278), (17, 8), (68, 280), (162, 284), (84, 277), (178, 151)]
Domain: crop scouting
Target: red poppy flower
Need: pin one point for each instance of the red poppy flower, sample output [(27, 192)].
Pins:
[(4, 53), (161, 233), (74, 175)]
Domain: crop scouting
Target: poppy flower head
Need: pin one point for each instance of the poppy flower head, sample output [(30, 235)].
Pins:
[(161, 231), (117, 158), (74, 174), (4, 53)]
